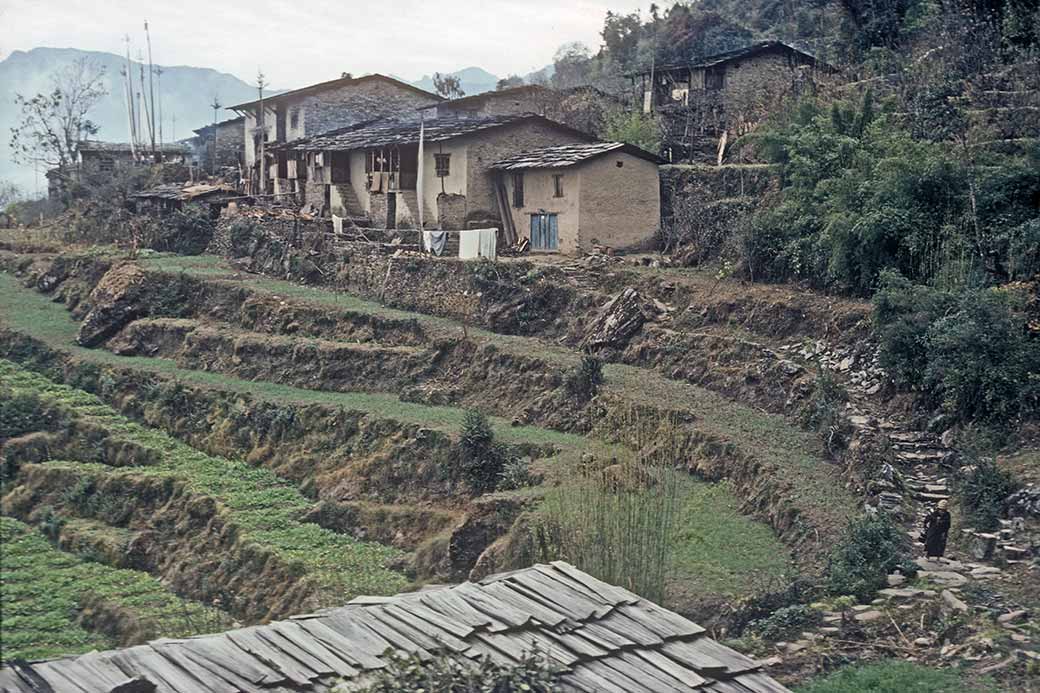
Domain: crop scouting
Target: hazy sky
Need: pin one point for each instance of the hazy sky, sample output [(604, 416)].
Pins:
[(306, 41)]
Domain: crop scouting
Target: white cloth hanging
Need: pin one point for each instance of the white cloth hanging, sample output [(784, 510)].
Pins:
[(474, 243), (337, 224)]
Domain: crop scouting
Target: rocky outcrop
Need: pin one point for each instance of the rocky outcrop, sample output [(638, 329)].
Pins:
[(116, 300)]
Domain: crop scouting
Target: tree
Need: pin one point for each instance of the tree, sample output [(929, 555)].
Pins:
[(9, 193), (53, 125), (448, 86), (509, 82), (572, 64)]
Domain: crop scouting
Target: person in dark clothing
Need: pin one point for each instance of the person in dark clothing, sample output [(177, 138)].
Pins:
[(936, 527)]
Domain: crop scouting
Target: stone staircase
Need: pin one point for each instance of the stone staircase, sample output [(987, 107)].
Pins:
[(355, 212), (408, 211)]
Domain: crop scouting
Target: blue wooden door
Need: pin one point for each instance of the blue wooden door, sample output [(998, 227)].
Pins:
[(545, 233)]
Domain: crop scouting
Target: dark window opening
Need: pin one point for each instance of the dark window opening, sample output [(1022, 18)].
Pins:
[(715, 78), (294, 118), (518, 189), (558, 185), (443, 164)]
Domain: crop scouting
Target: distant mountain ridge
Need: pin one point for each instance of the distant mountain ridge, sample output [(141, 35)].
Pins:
[(187, 93)]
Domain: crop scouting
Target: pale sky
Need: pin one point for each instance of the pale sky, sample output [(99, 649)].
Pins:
[(300, 42)]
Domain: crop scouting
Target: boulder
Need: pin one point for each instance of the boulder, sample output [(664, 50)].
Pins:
[(952, 602), (116, 300), (943, 577), (622, 317)]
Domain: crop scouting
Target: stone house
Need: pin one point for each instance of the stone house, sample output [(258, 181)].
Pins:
[(220, 145), (724, 94), (315, 109), (95, 155), (371, 172), (530, 98), (569, 198)]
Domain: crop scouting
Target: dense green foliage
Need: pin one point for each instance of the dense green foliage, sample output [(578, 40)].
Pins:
[(860, 195), (893, 677), (448, 674), (872, 547), (24, 412), (970, 351)]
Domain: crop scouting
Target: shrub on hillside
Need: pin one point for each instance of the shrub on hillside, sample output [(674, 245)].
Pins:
[(823, 411), (871, 548), (970, 351), (583, 381), (983, 492), (482, 458), (25, 412), (448, 674), (785, 621), (860, 195), (186, 231)]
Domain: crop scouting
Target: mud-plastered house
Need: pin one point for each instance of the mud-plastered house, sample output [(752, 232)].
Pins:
[(726, 94), (312, 110), (573, 197)]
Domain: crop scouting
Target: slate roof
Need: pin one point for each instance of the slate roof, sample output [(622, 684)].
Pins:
[(384, 133), (733, 55), (175, 191), (124, 147), (335, 84), (605, 638), (476, 99), (564, 155)]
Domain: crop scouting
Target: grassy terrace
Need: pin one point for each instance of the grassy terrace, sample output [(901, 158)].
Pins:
[(769, 438), (42, 589), (718, 550), (264, 506)]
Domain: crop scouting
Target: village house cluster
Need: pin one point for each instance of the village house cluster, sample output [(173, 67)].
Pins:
[(373, 152)]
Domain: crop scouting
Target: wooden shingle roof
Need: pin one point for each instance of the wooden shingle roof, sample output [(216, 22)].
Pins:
[(604, 638), (564, 155)]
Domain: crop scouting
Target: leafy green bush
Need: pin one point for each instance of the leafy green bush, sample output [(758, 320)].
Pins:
[(823, 411), (970, 351), (583, 381), (860, 194), (983, 492), (516, 473), (982, 362), (447, 674), (872, 547), (24, 412), (785, 621), (891, 677), (482, 458)]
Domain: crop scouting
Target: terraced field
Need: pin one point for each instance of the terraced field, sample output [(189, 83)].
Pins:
[(45, 591), (221, 481)]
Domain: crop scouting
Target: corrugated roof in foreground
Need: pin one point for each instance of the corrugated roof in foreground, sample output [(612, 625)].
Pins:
[(386, 133), (563, 155), (604, 638)]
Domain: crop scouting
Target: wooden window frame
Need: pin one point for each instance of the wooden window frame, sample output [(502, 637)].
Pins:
[(442, 164), (557, 185), (518, 189)]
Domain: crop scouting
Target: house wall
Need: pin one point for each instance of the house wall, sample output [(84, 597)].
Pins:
[(452, 184), (483, 149), (351, 104), (359, 179), (248, 129), (620, 206), (538, 197)]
